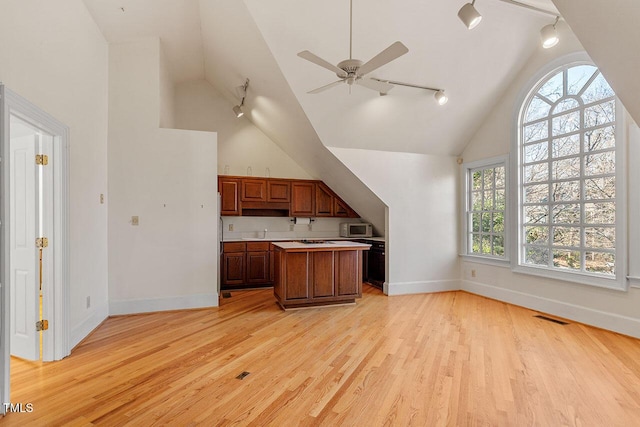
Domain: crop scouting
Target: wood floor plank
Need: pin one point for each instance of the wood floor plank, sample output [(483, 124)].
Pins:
[(438, 359)]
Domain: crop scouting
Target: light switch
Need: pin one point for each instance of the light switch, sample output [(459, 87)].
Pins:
[(135, 220)]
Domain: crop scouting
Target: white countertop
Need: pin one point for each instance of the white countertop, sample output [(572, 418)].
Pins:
[(325, 244)]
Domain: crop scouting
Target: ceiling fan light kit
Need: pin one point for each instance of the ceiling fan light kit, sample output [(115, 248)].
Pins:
[(470, 17), (353, 71)]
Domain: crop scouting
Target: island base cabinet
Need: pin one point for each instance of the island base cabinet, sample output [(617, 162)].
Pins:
[(313, 278)]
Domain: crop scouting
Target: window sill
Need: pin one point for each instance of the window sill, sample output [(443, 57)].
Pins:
[(505, 263), (581, 278)]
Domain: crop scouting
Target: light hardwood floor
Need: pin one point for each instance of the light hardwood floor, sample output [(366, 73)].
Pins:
[(424, 360)]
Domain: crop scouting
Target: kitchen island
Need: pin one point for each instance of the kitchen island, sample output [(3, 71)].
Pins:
[(315, 273)]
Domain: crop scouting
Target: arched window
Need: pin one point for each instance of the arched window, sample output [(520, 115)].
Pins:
[(569, 177)]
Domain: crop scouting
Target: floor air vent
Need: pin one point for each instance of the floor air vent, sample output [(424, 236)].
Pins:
[(226, 295), (242, 375), (559, 322)]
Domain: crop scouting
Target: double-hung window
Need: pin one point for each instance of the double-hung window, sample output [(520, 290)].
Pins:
[(569, 173)]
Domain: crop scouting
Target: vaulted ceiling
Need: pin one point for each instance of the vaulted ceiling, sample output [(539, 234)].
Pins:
[(225, 41)]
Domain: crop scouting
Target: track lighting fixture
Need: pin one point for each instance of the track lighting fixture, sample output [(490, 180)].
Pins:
[(469, 16), (549, 35), (439, 93), (238, 108)]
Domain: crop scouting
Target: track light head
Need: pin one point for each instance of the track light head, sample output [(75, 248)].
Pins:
[(238, 111), (549, 35), (238, 108), (440, 97), (469, 16)]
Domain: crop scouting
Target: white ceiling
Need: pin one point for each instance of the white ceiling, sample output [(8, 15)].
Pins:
[(226, 41)]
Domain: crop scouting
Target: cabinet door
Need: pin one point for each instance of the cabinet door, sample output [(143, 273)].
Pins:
[(233, 268), (295, 274), (324, 200), (322, 280), (258, 267), (254, 190), (229, 189), (348, 274), (278, 191), (303, 199)]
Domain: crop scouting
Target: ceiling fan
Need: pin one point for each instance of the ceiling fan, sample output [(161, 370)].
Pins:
[(351, 70)]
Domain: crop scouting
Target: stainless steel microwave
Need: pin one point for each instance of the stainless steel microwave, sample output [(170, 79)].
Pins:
[(356, 229)]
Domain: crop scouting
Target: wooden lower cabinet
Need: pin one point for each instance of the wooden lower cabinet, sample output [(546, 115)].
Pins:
[(246, 265), (321, 277)]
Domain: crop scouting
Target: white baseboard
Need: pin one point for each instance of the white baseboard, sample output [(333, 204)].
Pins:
[(424, 287), (147, 305), (600, 319), (81, 331)]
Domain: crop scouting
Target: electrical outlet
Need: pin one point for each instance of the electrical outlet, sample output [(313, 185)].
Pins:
[(88, 301), (230, 227), (135, 220), (473, 273), (101, 199)]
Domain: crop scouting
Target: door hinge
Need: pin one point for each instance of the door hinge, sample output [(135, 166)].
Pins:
[(42, 159), (42, 325), (42, 242)]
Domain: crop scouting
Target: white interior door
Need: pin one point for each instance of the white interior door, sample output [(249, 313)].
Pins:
[(23, 258)]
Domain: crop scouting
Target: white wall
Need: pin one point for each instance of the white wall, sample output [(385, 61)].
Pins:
[(422, 233), (240, 144), (167, 93), (605, 308), (167, 178), (53, 55)]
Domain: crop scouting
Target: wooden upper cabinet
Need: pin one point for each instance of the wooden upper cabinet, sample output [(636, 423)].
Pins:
[(229, 189), (343, 210), (303, 198), (324, 200), (278, 191), (254, 190)]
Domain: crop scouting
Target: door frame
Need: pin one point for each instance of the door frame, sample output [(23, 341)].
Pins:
[(56, 298)]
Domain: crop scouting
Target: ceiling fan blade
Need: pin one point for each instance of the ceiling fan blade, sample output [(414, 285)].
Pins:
[(325, 87), (305, 54), (394, 51), (381, 87)]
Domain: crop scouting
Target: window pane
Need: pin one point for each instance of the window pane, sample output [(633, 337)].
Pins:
[(486, 244), (536, 255), (486, 222), (566, 259), (600, 188), (600, 114), (597, 90), (476, 201), (488, 200), (553, 88), (600, 139), (566, 214), (566, 191), (498, 245), (537, 235), (566, 236), (487, 178), (500, 177), (536, 132), (577, 77), (536, 193), (600, 237), (565, 146), (537, 109), (600, 164), (566, 168), (600, 213), (565, 105), (476, 180), (476, 219), (536, 173), (536, 152), (536, 214), (475, 248), (566, 123), (500, 200), (600, 262), (498, 222)]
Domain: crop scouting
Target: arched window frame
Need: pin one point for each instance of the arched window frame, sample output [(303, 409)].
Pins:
[(616, 281)]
